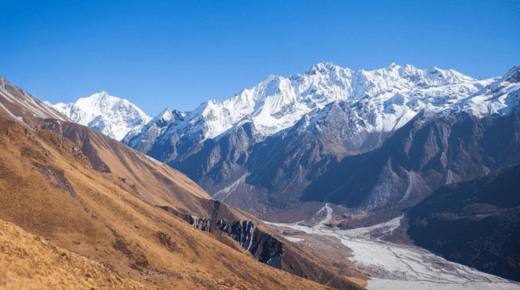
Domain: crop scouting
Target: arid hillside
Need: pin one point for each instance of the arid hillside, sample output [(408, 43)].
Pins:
[(29, 262), (111, 209)]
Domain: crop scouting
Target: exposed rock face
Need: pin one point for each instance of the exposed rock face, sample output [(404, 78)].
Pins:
[(475, 223), (261, 245), (419, 158), (264, 246)]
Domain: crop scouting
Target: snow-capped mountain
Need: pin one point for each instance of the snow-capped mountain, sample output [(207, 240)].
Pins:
[(110, 115), (389, 97), (141, 138), (280, 141), (386, 99)]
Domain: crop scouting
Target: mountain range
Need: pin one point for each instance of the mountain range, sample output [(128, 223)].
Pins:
[(372, 143), (401, 152), (308, 137)]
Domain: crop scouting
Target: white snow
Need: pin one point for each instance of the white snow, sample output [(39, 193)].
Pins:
[(156, 127), (382, 100), (293, 239), (110, 115), (278, 103)]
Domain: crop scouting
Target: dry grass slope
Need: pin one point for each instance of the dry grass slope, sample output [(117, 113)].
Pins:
[(29, 262), (94, 197), (50, 190)]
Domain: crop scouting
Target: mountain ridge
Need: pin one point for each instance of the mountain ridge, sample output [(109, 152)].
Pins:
[(278, 102)]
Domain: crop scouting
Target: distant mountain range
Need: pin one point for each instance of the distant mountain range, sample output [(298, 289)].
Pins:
[(364, 139)]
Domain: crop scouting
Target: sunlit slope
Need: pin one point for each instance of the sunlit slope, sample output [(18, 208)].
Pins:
[(50, 189), (153, 181), (29, 262), (111, 191)]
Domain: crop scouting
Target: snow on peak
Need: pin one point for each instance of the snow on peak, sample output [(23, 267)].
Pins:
[(322, 68), (499, 97), (392, 94), (512, 76), (141, 137), (110, 115), (165, 115), (393, 65)]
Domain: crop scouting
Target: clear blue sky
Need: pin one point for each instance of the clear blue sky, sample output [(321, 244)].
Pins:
[(182, 53)]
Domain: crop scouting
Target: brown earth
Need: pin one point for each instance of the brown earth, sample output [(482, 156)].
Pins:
[(51, 191), (100, 201), (29, 262)]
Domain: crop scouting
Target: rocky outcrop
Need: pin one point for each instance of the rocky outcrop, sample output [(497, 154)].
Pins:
[(263, 246)]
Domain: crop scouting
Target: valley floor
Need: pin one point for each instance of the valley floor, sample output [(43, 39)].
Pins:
[(396, 266)]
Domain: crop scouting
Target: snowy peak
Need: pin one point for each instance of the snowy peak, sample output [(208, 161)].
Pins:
[(168, 116), (501, 96), (278, 103), (512, 76), (322, 68), (165, 115), (143, 137), (110, 115)]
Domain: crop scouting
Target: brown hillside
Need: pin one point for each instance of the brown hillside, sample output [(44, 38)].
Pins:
[(95, 197), (29, 262), (50, 190)]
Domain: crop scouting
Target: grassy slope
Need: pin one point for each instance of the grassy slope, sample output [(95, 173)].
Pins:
[(50, 190), (30, 262)]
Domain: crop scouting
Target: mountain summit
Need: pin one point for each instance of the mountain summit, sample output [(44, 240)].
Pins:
[(110, 115)]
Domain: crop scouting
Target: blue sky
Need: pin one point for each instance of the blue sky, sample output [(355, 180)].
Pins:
[(182, 53)]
